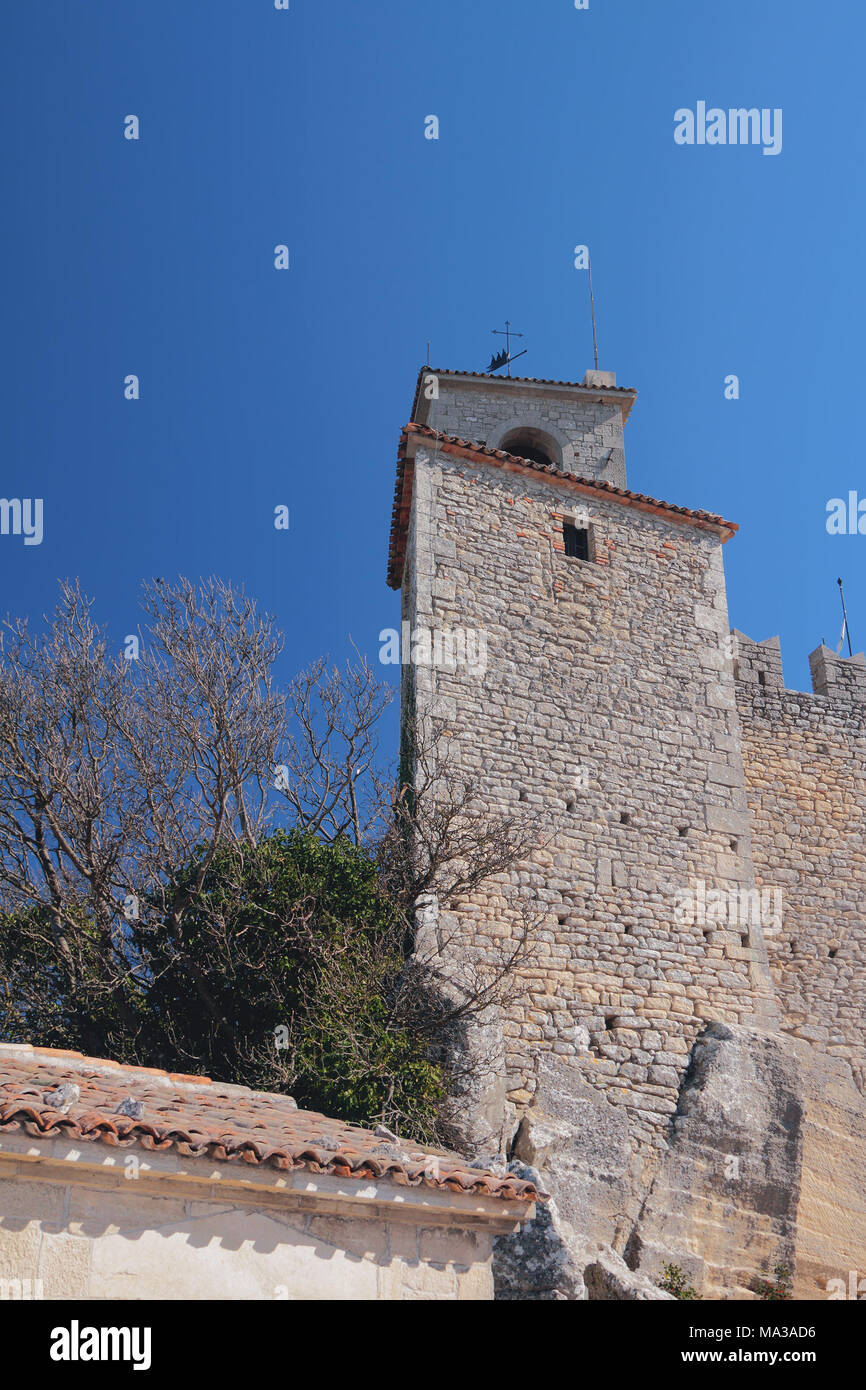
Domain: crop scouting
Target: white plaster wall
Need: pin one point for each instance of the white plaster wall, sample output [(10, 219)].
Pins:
[(98, 1243)]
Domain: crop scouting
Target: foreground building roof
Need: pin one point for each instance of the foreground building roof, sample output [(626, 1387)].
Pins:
[(49, 1094)]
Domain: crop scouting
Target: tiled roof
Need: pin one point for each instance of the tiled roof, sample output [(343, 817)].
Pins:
[(49, 1094), (528, 380), (480, 453)]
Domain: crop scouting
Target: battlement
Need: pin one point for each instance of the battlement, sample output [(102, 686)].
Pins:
[(804, 758), (839, 678), (833, 677), (758, 663)]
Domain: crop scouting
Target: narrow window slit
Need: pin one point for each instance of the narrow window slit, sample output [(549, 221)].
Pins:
[(576, 541)]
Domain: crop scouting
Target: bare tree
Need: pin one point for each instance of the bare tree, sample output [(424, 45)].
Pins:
[(126, 784), (335, 784), (116, 775), (71, 811), (202, 733)]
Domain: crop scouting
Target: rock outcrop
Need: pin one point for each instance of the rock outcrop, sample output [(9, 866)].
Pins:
[(760, 1169), (546, 1261)]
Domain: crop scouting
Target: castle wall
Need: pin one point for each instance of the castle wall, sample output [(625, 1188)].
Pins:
[(805, 765), (608, 703), (681, 1063)]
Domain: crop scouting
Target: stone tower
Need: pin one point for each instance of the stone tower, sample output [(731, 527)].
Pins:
[(608, 703)]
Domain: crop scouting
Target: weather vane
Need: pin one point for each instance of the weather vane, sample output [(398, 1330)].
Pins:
[(505, 359)]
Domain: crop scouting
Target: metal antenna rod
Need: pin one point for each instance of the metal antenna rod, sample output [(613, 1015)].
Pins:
[(845, 616), (592, 303)]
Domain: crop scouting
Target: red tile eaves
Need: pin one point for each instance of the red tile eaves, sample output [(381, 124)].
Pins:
[(199, 1118), (480, 453)]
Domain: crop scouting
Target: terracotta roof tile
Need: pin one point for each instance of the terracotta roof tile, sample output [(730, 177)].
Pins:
[(480, 453), (527, 380), (199, 1118)]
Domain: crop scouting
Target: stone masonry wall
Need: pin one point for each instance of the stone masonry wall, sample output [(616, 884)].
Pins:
[(587, 429), (645, 1062), (805, 763), (608, 703)]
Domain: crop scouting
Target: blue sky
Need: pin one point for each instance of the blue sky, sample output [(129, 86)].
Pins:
[(306, 127)]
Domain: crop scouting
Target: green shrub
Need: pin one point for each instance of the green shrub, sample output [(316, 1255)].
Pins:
[(675, 1281), (777, 1289)]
